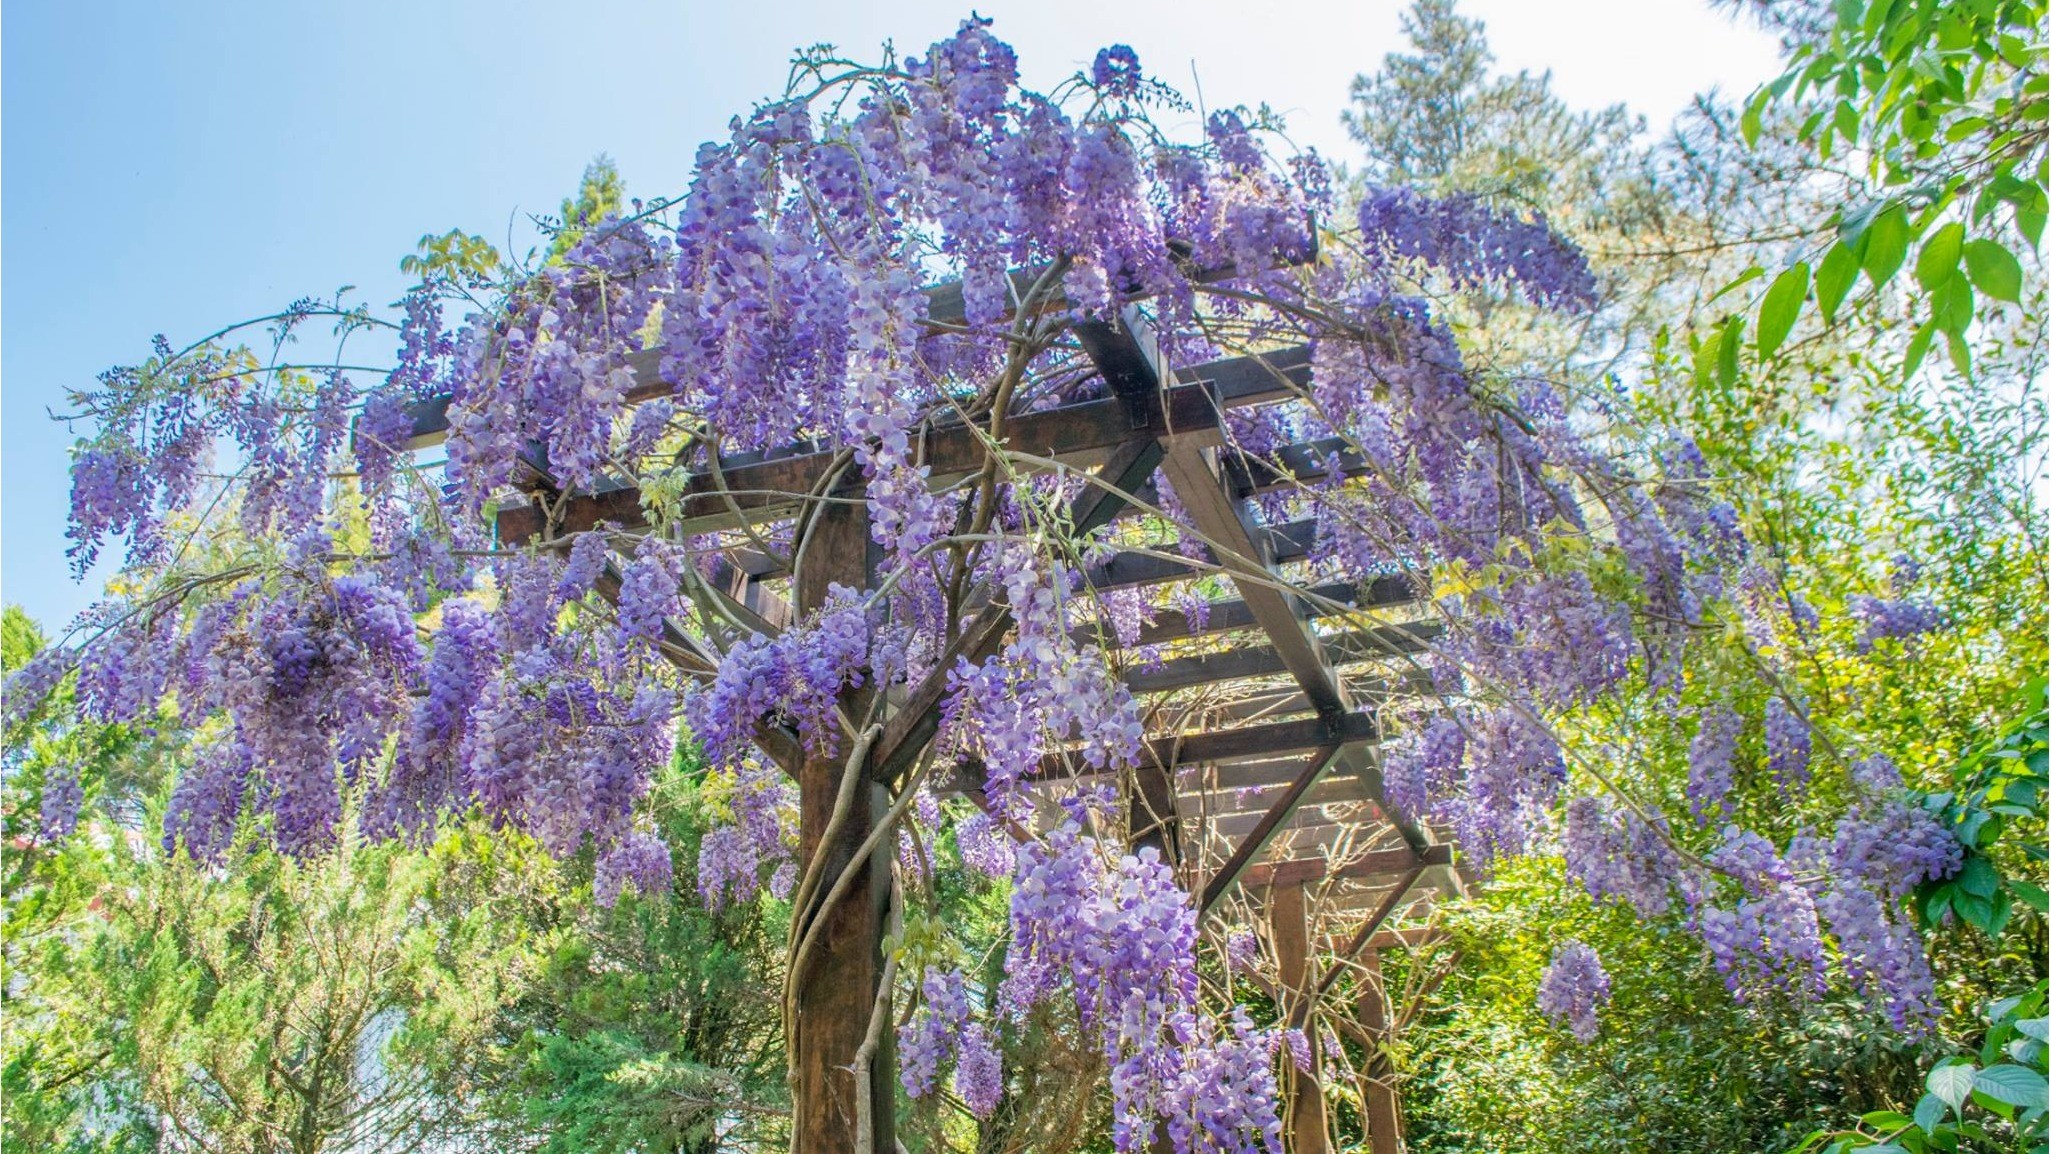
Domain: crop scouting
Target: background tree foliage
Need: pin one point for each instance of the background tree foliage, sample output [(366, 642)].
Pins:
[(1843, 450), (468, 994)]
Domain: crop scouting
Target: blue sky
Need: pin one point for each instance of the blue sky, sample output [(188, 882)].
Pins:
[(172, 167)]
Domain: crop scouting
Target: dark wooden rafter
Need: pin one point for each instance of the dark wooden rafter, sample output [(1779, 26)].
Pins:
[(1379, 864), (1215, 807), (1255, 778), (757, 487), (1307, 829), (1270, 660), (1176, 624), (1290, 466), (1247, 555), (1282, 737)]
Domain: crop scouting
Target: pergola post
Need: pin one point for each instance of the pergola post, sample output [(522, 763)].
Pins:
[(1303, 1124), (835, 996), (1384, 1120)]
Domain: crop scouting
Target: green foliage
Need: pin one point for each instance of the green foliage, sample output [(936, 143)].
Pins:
[(454, 256), (2001, 792), (1945, 105), (600, 194), (653, 1025), (1838, 456), (1678, 1065), (116, 765), (1994, 1098), (1416, 117), (62, 1086), (278, 1005)]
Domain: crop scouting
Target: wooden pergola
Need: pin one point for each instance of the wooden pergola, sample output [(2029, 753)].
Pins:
[(1261, 780)]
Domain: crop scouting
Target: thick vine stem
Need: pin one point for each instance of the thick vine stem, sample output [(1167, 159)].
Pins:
[(879, 1021), (846, 878), (843, 803), (804, 918)]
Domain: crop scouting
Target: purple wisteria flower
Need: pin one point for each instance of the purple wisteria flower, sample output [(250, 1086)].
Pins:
[(1574, 989), (1116, 71)]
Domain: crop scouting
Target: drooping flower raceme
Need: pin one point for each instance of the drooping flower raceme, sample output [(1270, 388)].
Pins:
[(1574, 989)]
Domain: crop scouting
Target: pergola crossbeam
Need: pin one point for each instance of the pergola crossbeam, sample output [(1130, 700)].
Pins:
[(758, 487), (1382, 863)]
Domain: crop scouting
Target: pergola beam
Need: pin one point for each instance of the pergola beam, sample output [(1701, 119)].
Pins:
[(1381, 863), (1222, 520), (1271, 660), (1334, 597), (757, 487), (1264, 831)]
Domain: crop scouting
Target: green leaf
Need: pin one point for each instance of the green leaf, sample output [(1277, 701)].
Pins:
[(2030, 220), (1834, 278), (1951, 1081), (2015, 1085), (1885, 244), (1994, 270), (1951, 304), (1780, 309), (1705, 359), (1998, 921), (1845, 119), (1977, 911), (1748, 122), (1939, 258), (1919, 346), (1979, 877), (1727, 351), (1742, 279), (1930, 1112), (1995, 1105), (1935, 904), (2032, 895)]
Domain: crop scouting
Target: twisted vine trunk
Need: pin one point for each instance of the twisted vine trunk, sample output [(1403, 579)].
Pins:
[(834, 994)]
